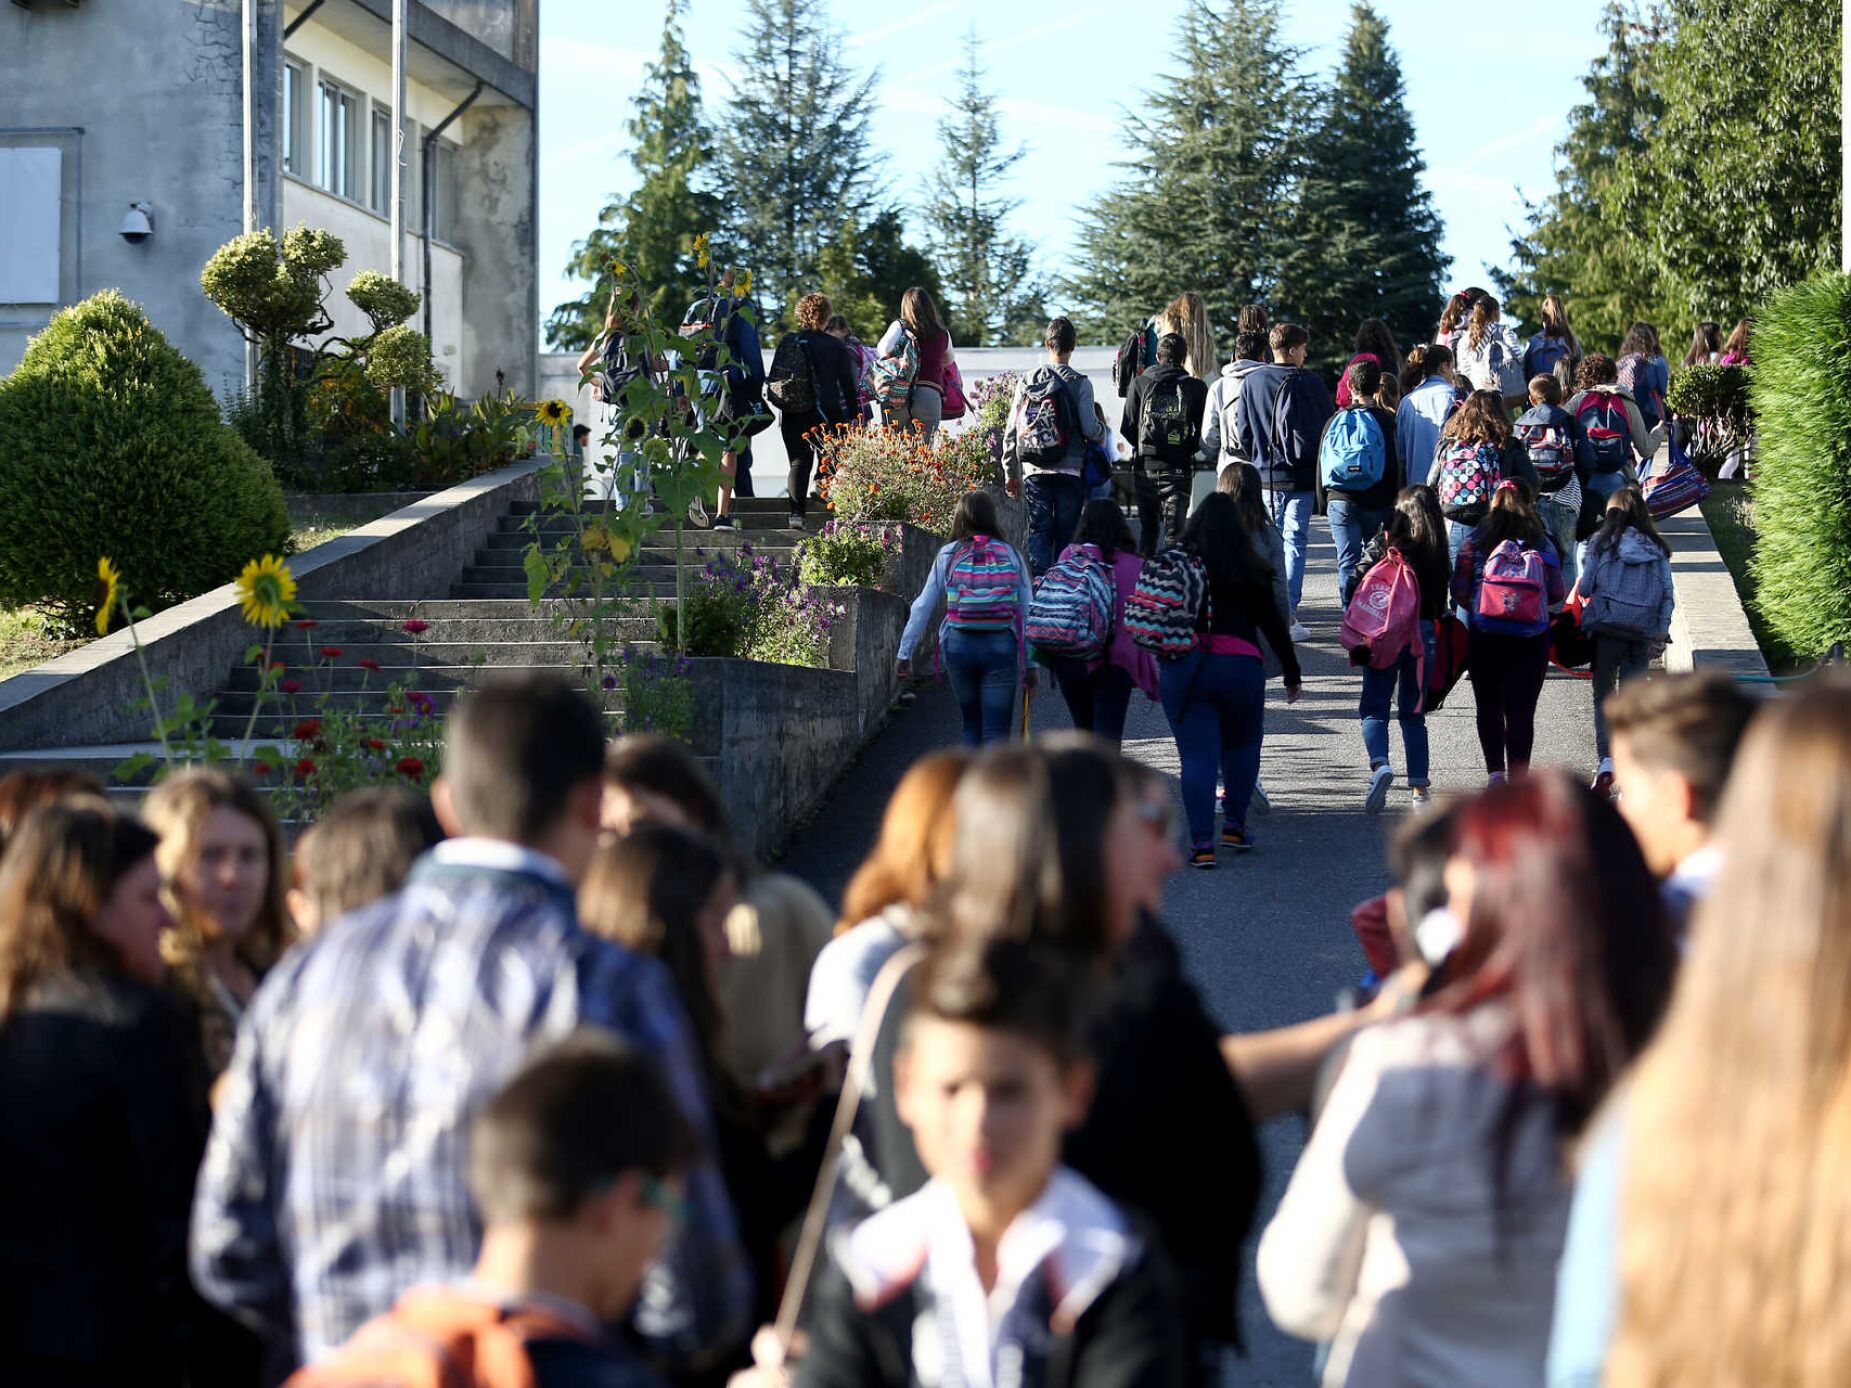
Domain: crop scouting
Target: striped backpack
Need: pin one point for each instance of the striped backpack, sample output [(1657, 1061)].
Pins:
[(1161, 613), (981, 587), (1071, 614), (888, 381)]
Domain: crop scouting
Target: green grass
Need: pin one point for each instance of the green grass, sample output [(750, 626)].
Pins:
[(26, 640), (1730, 511), (316, 530)]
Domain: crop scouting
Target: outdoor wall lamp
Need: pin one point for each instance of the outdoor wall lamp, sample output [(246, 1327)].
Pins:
[(138, 225)]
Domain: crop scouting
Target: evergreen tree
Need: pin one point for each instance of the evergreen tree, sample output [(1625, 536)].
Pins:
[(1205, 203), (652, 230), (1365, 239), (866, 269), (794, 157), (988, 274)]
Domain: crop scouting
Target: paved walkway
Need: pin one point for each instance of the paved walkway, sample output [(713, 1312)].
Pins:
[(1266, 936)]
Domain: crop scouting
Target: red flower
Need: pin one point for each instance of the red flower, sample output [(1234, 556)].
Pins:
[(305, 768), (414, 627), (291, 686), (374, 744), (307, 624), (308, 730), (410, 767), (261, 768), (277, 665), (368, 663), (331, 652)]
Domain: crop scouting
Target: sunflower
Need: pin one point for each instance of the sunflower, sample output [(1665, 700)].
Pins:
[(108, 586), (742, 285), (702, 254), (266, 589), (554, 412)]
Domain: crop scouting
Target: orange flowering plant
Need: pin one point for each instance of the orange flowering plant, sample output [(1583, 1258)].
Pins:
[(893, 474)]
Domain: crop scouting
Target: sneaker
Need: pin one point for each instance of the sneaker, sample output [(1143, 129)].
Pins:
[(1379, 782), (1203, 858), (1496, 778), (1262, 803), (1299, 632), (1423, 797), (697, 513), (723, 523), (796, 520), (1221, 802), (1235, 838), (1603, 778)]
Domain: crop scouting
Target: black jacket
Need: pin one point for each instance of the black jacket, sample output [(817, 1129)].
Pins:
[(1195, 404), (833, 365), (1168, 1135), (1125, 1339), (103, 1092)]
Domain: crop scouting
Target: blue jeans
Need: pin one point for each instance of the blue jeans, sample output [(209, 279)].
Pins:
[(1379, 686), (1216, 705), (1054, 501), (1352, 525), (984, 668), (1457, 533), (1097, 700), (1291, 512)]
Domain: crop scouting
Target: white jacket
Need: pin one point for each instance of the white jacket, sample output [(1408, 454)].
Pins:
[(1218, 432)]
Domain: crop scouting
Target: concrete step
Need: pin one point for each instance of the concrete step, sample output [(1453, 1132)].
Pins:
[(349, 676), (766, 540), (446, 643), (742, 505), (431, 610), (484, 587)]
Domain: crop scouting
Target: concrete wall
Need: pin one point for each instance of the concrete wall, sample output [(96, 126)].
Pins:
[(90, 696), (497, 229), (156, 87), (510, 27)]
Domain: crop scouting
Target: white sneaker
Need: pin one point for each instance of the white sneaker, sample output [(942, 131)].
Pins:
[(1603, 778), (1423, 797), (1299, 632), (1262, 803), (1379, 782)]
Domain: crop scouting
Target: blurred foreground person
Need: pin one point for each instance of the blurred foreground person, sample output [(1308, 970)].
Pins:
[(358, 852)]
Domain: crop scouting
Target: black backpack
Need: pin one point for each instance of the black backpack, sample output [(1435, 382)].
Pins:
[(715, 313), (1138, 352), (1167, 427), (791, 383), (622, 367)]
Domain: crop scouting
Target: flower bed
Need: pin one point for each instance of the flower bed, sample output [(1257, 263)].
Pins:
[(892, 474)]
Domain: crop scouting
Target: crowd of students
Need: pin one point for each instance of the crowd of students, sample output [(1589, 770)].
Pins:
[(537, 1082)]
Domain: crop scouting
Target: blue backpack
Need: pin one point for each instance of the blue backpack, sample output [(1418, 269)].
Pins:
[(1354, 455), (1543, 353)]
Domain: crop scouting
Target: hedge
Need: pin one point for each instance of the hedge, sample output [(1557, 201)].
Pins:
[(112, 444), (1802, 487)]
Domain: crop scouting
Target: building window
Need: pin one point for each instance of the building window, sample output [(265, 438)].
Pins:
[(295, 117), (382, 160), (340, 137), (443, 191)]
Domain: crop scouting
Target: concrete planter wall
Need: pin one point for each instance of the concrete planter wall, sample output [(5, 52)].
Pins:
[(91, 695), (353, 506)]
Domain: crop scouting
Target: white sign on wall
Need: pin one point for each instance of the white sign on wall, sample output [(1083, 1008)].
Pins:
[(31, 211)]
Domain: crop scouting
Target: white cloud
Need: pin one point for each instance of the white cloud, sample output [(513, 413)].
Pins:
[(868, 37), (1548, 128)]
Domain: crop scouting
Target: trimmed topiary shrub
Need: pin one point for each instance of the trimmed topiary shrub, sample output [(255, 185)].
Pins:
[(111, 444), (1802, 489)]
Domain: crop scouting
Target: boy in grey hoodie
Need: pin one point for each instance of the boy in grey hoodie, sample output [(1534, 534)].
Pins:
[(1220, 431)]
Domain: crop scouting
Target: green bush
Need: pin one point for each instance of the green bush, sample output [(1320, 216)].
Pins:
[(111, 444), (1802, 489)]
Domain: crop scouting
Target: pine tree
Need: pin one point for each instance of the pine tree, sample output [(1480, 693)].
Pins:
[(988, 275), (794, 156), (866, 269), (1366, 240), (1204, 204), (652, 230)]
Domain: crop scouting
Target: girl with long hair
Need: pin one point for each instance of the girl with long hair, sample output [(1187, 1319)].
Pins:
[(105, 1108), (1374, 342), (1705, 345), (1487, 352), (1187, 316), (1630, 597), (833, 391), (1242, 482), (1455, 316), (1508, 579), (1643, 370), (1417, 533), (221, 859), (1357, 517), (1428, 400), (1098, 692), (1730, 1151), (1553, 350), (984, 585), (1735, 352), (924, 407), (1214, 697), (1424, 1221), (1479, 423)]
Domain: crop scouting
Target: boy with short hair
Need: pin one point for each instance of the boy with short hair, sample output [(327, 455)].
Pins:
[(1051, 421), (1674, 740), (575, 1166), (1546, 434), (1163, 421), (1005, 1266)]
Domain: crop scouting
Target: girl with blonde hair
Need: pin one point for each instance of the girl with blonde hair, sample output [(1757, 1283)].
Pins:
[(1187, 316)]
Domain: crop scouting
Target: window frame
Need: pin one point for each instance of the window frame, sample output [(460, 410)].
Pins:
[(294, 123), (329, 89), (445, 204), (379, 157)]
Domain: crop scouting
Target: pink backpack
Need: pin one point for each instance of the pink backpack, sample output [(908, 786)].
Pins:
[(1383, 618), (1515, 586)]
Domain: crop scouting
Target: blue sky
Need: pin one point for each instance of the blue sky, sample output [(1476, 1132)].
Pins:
[(1489, 86)]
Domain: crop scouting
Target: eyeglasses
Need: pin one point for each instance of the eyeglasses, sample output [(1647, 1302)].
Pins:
[(660, 1195)]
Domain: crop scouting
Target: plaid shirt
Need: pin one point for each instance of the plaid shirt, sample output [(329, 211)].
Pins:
[(334, 1179)]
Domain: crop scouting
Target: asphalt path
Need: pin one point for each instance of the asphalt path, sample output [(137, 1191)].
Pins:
[(1266, 936)]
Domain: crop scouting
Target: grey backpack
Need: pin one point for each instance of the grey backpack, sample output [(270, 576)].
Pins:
[(1624, 587)]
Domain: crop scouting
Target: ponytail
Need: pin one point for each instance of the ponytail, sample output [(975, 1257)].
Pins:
[(1424, 363), (1484, 314), (1512, 517)]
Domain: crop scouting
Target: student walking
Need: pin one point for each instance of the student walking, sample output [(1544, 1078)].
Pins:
[(1374, 342), (1359, 470), (1284, 409), (1455, 317), (919, 330), (1220, 428), (1553, 350), (1414, 544), (1610, 431), (813, 384), (1214, 697), (1643, 370), (1163, 421), (1428, 399), (1735, 352), (1487, 352), (1554, 458), (617, 360), (1052, 418), (984, 585), (1630, 598), (1187, 316), (863, 357), (1508, 578), (1705, 345), (1098, 691), (1470, 463), (737, 387)]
